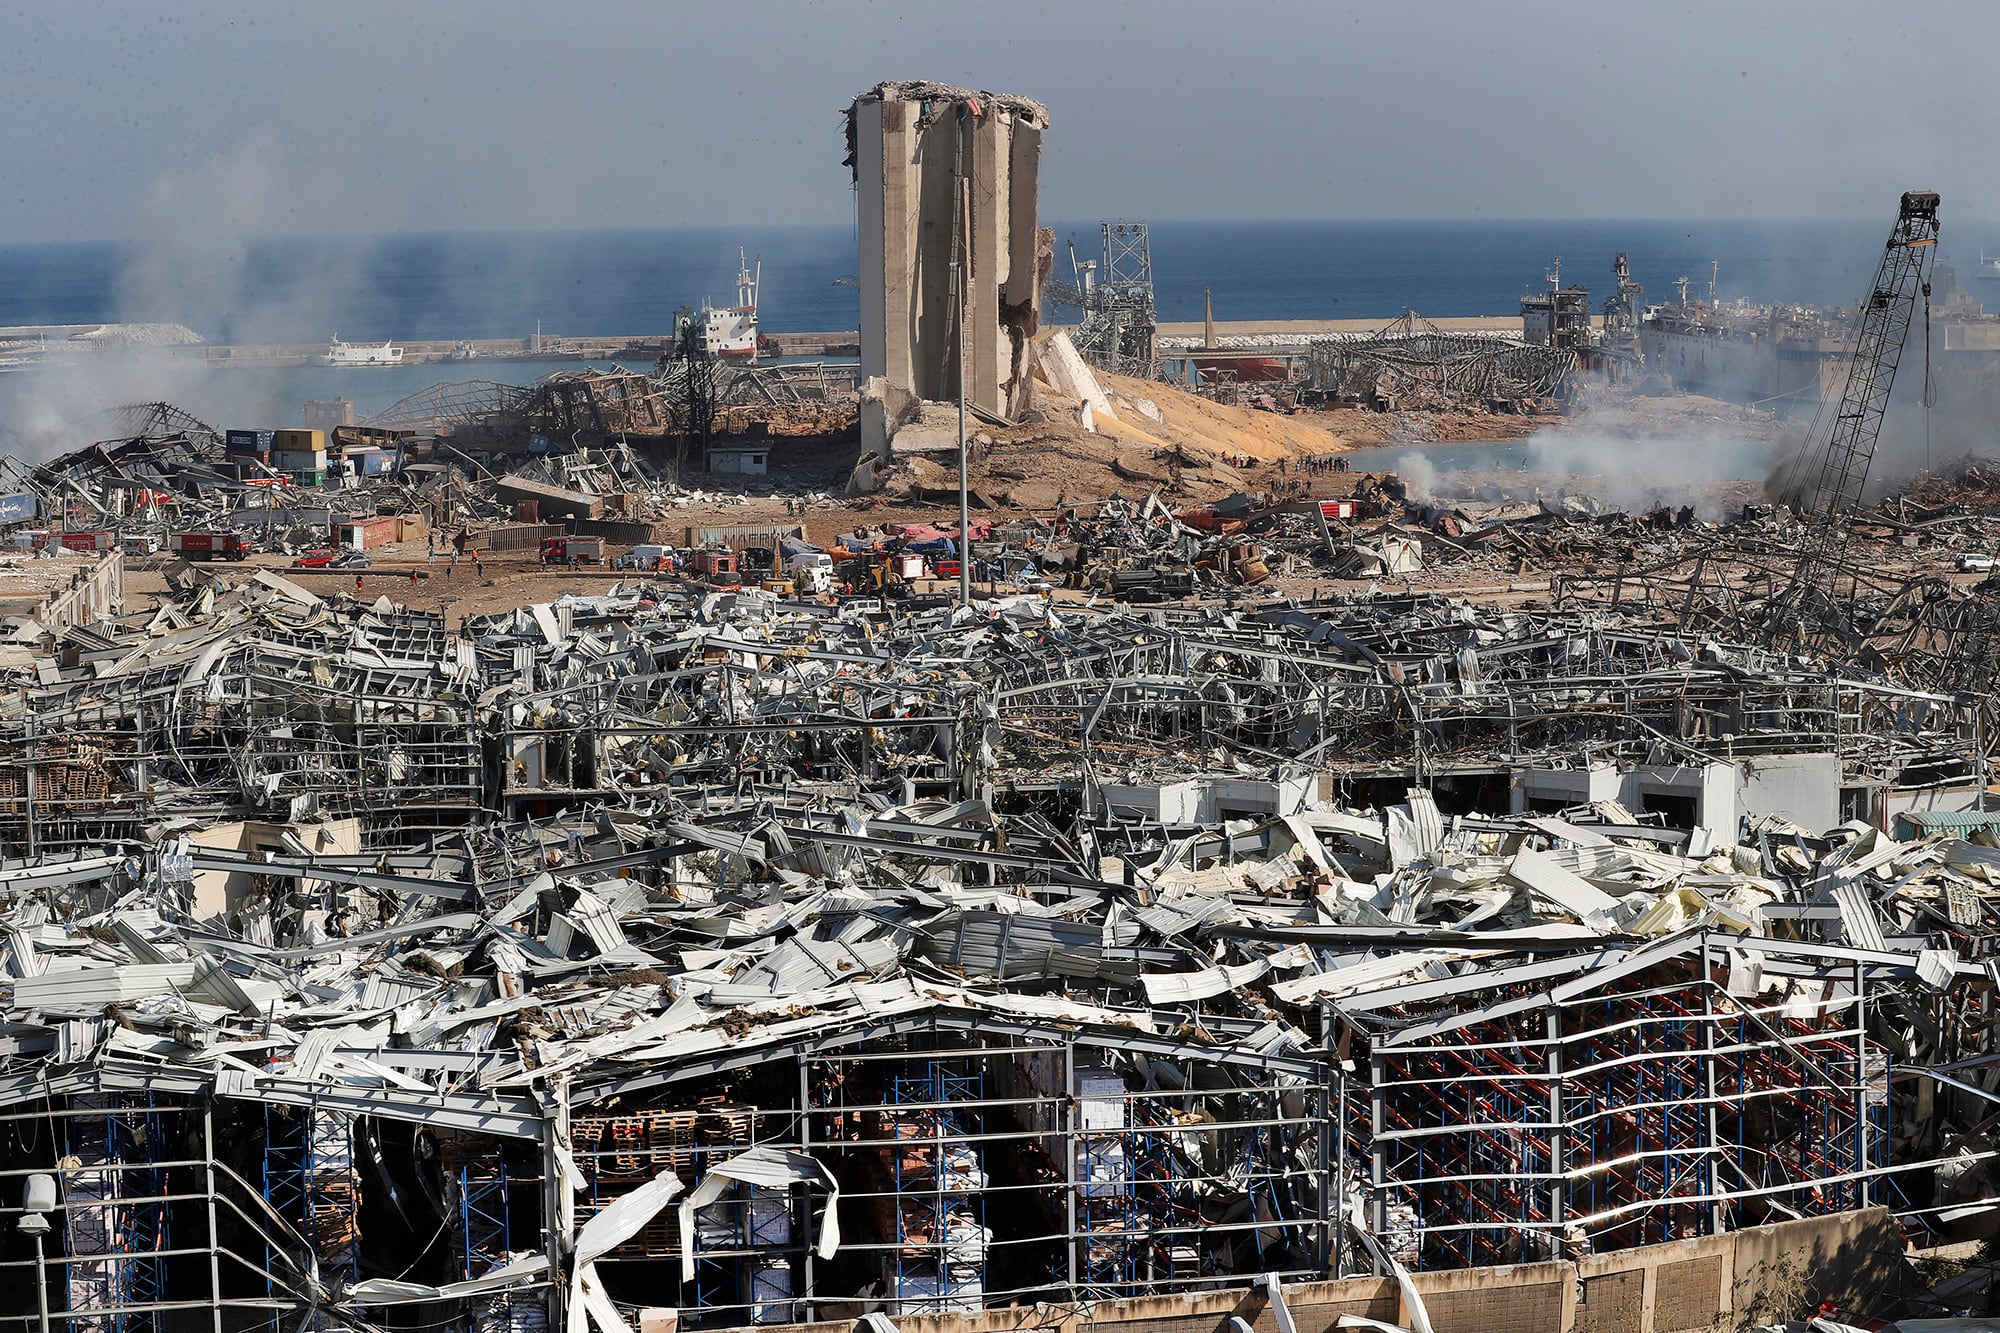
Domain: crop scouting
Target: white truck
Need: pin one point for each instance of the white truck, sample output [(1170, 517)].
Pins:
[(811, 571)]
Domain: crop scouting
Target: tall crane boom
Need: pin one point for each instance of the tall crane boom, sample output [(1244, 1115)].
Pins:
[(1826, 482), (1849, 448)]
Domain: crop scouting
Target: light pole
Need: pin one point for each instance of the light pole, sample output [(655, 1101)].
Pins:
[(38, 1199)]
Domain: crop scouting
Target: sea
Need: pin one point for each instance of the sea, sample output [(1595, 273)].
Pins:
[(511, 284)]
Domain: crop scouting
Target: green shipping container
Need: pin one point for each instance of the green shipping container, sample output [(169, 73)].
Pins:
[(310, 478)]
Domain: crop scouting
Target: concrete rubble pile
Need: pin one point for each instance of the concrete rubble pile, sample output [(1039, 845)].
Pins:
[(766, 961)]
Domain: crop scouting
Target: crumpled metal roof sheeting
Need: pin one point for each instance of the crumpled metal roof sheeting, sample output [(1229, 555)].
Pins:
[(773, 845)]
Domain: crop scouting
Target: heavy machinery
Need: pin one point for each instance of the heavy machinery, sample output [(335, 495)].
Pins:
[(1824, 480)]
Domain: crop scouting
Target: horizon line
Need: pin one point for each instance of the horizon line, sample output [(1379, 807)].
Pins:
[(769, 228)]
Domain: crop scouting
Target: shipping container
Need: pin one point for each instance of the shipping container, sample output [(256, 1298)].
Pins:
[(361, 533), (299, 441), (313, 477), (248, 441)]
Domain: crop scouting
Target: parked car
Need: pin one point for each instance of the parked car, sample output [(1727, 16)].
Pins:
[(318, 559), (1975, 562)]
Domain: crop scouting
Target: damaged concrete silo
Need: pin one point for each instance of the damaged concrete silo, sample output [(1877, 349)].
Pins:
[(933, 162)]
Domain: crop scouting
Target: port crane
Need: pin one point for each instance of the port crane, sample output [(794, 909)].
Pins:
[(1824, 480)]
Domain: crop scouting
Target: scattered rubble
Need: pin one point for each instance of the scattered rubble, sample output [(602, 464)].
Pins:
[(773, 960)]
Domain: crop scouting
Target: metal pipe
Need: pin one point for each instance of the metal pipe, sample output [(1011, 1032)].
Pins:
[(958, 219), (41, 1286), (214, 1235)]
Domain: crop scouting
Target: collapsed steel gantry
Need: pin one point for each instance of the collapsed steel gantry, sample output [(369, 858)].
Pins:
[(1412, 363)]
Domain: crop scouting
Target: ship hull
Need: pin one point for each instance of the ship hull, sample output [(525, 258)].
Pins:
[(1752, 370)]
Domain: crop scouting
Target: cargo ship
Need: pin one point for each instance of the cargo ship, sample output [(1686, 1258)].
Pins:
[(1789, 357), (1989, 266), (730, 332), (339, 353), (1754, 353)]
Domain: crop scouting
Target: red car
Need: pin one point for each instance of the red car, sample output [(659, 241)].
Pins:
[(319, 559), (948, 569)]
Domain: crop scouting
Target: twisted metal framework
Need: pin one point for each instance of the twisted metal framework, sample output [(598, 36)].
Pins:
[(608, 402), (1415, 364), (447, 406), (135, 419)]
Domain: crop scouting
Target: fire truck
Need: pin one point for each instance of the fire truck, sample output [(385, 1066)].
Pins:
[(209, 545)]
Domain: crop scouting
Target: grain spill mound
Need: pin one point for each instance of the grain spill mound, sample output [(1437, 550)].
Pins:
[(1161, 439)]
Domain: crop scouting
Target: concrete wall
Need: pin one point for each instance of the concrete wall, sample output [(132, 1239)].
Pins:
[(1570, 786), (1804, 788), (1764, 1274), (92, 593), (1208, 800), (218, 891)]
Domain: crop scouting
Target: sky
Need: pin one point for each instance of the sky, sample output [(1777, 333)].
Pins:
[(356, 117)]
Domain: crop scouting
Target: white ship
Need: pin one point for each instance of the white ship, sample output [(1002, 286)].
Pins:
[(339, 353), (731, 333), (1989, 266)]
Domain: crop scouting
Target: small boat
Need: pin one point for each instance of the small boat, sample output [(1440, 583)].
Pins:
[(1989, 266), (339, 353), (462, 351)]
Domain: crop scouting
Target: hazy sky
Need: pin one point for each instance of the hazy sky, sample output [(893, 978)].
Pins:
[(352, 116)]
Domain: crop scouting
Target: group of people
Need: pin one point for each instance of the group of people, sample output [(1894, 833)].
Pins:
[(1313, 465)]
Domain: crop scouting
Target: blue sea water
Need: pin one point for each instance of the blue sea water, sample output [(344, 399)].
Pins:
[(497, 285)]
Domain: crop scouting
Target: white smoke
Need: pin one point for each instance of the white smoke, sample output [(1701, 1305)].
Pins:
[(191, 259), (1635, 471), (1420, 476)]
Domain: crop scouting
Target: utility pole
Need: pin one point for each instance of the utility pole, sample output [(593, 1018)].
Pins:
[(958, 212), (37, 1202)]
